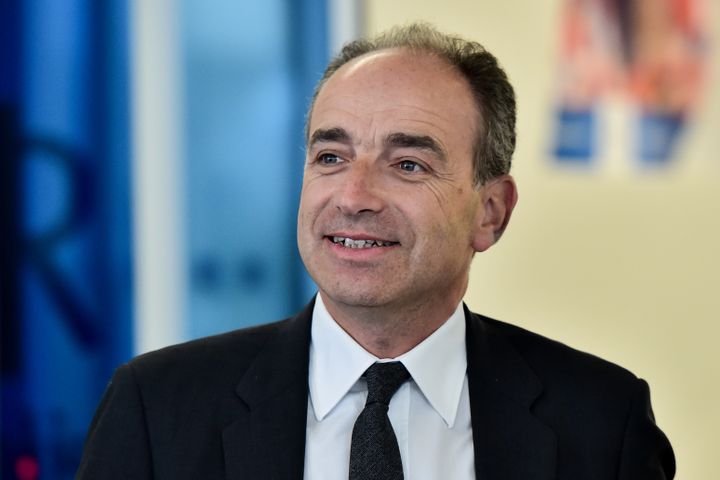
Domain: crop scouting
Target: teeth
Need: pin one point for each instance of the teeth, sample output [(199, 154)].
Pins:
[(350, 243)]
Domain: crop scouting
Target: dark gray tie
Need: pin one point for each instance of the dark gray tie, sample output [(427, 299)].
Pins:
[(374, 452)]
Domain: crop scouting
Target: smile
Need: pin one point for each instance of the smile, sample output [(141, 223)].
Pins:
[(362, 243)]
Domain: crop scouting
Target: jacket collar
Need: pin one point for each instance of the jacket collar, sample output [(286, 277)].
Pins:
[(510, 442), (267, 440)]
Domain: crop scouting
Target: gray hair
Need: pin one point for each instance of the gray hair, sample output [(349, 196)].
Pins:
[(494, 96)]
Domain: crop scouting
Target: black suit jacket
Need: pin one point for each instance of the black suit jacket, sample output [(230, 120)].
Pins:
[(234, 406)]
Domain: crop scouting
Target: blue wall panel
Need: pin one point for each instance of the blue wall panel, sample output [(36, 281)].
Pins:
[(65, 251), (65, 295), (249, 68)]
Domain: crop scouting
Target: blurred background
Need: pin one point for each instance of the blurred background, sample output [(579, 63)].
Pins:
[(151, 159)]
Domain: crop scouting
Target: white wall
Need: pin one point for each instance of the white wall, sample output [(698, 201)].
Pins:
[(617, 262), (157, 175)]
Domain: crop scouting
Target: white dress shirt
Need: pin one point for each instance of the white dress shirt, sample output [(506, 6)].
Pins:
[(430, 413)]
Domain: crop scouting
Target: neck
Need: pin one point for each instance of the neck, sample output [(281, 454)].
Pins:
[(388, 331)]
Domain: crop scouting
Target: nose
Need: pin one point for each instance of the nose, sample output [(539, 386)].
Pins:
[(359, 191)]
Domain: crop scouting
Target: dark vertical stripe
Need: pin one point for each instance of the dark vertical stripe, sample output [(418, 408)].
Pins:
[(10, 151), (308, 26), (110, 114), (15, 437)]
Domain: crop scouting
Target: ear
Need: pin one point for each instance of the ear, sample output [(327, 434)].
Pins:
[(498, 197)]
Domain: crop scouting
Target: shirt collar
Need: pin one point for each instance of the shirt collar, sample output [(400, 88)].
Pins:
[(437, 364)]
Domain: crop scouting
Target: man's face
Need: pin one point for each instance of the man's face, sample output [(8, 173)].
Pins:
[(388, 209)]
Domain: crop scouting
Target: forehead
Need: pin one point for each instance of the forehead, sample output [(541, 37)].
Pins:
[(398, 90)]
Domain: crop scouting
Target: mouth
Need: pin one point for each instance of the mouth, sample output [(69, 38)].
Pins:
[(348, 242)]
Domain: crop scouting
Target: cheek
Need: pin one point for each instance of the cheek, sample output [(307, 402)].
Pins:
[(437, 194), (448, 227), (448, 207), (305, 214), (315, 189), (310, 199), (313, 208)]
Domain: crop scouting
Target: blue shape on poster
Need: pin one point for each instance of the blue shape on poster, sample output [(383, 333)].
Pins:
[(658, 136), (575, 136)]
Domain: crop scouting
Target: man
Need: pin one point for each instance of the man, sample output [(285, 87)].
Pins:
[(409, 140)]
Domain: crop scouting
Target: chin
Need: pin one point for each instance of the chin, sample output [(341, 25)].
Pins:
[(356, 297)]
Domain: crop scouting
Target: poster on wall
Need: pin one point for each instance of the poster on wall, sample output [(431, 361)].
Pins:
[(647, 56)]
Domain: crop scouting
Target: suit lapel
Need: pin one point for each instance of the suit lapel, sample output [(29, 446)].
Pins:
[(510, 443), (267, 441)]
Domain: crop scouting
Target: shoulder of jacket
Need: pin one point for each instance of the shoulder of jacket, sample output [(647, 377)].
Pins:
[(551, 358)]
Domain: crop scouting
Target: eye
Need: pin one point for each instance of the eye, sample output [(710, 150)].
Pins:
[(329, 159), (410, 166)]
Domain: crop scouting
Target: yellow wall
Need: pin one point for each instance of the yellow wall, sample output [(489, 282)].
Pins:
[(617, 262)]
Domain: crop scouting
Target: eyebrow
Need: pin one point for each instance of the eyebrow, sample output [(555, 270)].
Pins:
[(397, 140), (423, 142), (336, 134)]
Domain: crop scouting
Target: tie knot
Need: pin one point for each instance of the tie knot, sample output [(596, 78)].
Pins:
[(383, 380)]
